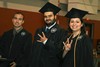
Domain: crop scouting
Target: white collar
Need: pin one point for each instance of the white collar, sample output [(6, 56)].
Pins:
[(50, 26)]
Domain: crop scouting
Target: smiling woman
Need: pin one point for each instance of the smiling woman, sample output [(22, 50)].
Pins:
[(77, 46)]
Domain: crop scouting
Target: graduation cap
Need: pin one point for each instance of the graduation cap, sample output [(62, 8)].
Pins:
[(49, 7), (76, 13)]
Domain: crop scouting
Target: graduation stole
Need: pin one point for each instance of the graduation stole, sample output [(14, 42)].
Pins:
[(75, 48)]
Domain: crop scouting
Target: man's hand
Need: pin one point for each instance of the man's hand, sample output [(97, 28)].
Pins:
[(42, 37), (12, 64)]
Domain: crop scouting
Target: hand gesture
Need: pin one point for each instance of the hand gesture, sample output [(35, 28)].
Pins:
[(42, 37), (13, 64), (67, 45)]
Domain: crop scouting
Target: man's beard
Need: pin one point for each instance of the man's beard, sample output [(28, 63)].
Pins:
[(51, 23), (17, 26)]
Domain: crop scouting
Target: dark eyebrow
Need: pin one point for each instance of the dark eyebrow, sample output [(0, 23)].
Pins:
[(18, 18)]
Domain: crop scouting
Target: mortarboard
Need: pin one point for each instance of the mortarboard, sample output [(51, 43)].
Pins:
[(49, 7), (76, 13)]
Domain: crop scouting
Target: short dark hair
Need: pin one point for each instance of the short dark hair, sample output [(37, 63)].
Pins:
[(19, 13)]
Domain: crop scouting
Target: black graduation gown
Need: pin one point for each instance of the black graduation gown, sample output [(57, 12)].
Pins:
[(45, 55), (17, 48), (0, 38), (84, 55)]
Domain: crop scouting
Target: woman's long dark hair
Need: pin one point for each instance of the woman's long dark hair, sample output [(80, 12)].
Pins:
[(83, 31)]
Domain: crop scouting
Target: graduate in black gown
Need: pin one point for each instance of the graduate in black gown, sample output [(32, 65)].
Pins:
[(77, 49), (47, 38), (16, 44)]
